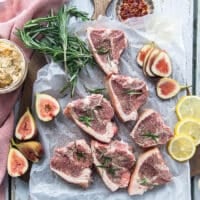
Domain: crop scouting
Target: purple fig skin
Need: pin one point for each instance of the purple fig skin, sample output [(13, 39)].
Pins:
[(32, 150)]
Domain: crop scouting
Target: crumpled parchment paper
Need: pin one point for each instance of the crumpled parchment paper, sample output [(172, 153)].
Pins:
[(45, 184)]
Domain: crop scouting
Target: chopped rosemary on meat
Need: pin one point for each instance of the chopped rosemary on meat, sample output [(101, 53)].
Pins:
[(86, 120), (50, 35), (103, 50), (106, 160), (151, 135), (132, 92), (144, 181), (110, 169), (95, 90), (80, 155)]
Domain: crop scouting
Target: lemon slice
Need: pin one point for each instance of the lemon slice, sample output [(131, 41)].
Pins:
[(181, 148), (188, 107), (190, 127)]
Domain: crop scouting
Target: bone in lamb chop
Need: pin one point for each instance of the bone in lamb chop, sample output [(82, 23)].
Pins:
[(150, 171), (107, 46), (127, 95), (73, 163), (113, 162), (93, 114), (150, 130)]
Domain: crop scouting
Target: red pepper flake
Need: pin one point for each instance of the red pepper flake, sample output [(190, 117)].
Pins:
[(133, 8)]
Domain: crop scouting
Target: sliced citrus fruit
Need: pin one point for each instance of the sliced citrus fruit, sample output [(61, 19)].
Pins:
[(181, 148), (189, 127), (188, 107)]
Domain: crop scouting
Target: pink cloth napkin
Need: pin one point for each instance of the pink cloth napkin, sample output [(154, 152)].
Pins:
[(13, 14)]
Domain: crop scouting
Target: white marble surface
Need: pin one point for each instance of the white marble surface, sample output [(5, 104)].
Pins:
[(182, 9)]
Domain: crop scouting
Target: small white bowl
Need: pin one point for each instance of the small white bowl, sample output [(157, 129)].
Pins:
[(24, 68)]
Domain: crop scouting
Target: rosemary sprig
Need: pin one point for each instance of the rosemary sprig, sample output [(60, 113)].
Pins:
[(95, 90), (151, 135), (110, 169), (80, 155), (50, 35), (86, 120), (106, 160), (63, 19), (132, 92), (145, 182), (102, 50)]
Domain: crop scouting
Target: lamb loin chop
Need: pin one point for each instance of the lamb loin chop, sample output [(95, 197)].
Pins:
[(150, 130), (107, 46), (113, 162), (73, 163), (150, 171), (127, 95), (93, 114)]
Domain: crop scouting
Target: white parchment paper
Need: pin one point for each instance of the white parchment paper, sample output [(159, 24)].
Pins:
[(167, 33)]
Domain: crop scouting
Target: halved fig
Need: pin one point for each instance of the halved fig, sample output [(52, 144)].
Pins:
[(167, 88), (162, 65), (143, 53), (17, 164), (47, 107), (26, 127), (32, 150), (154, 53)]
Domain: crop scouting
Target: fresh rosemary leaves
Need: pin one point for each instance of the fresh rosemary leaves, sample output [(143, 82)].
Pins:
[(50, 35), (95, 90), (151, 135), (145, 182), (132, 92), (80, 155), (86, 120)]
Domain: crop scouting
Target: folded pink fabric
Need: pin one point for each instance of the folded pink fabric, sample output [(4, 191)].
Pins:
[(13, 14)]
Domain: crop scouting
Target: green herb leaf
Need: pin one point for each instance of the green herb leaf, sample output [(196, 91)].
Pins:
[(106, 160), (132, 92), (151, 135), (110, 169), (80, 155), (86, 120), (144, 181), (102, 50), (95, 90), (63, 19)]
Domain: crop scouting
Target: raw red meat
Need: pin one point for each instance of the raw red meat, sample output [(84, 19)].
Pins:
[(150, 130), (150, 171), (93, 114), (107, 46), (73, 163), (113, 162), (127, 95)]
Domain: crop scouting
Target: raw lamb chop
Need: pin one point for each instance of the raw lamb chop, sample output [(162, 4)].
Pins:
[(107, 46), (73, 163), (150, 130), (93, 114), (127, 95), (150, 171), (113, 162)]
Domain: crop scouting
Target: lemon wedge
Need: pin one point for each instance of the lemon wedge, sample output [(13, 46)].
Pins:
[(181, 148), (190, 127), (188, 107)]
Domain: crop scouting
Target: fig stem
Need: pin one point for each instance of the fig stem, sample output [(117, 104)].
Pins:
[(186, 87), (13, 143)]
